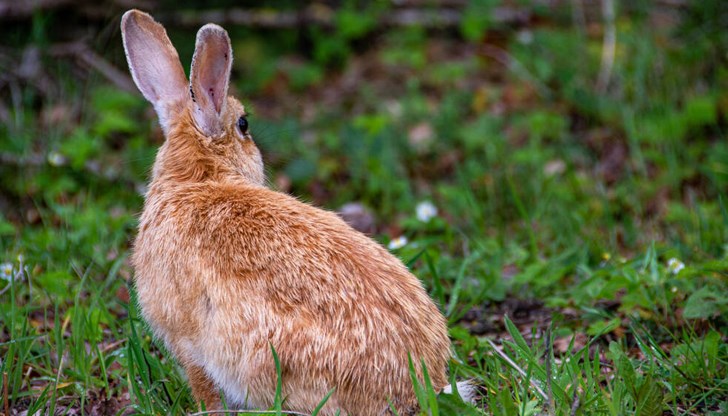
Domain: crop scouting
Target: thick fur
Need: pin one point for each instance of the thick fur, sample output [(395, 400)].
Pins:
[(225, 268)]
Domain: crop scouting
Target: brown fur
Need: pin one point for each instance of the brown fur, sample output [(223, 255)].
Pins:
[(225, 268)]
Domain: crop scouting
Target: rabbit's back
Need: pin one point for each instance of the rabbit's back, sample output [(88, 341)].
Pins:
[(224, 269)]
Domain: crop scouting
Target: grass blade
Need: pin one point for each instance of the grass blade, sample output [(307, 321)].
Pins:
[(278, 401), (323, 401)]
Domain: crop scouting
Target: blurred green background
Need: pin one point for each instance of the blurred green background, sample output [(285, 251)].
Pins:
[(573, 155)]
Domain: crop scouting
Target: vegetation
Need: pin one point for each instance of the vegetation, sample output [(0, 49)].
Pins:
[(562, 194)]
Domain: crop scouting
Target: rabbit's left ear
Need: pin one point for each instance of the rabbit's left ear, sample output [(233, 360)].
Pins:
[(209, 78)]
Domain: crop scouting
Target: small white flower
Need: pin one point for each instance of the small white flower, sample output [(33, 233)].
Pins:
[(525, 37), (421, 135), (675, 265), (397, 242), (426, 211), (6, 271), (56, 159), (554, 167)]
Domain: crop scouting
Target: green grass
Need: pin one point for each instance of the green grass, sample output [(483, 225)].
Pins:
[(579, 251)]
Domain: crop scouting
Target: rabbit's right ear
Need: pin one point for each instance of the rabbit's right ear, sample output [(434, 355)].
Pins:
[(153, 62)]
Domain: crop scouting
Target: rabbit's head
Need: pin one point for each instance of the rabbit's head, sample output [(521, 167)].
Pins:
[(206, 131)]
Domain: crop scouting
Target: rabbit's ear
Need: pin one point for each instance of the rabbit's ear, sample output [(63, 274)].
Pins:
[(153, 62), (209, 77)]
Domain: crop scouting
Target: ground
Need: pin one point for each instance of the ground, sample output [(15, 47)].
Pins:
[(560, 192)]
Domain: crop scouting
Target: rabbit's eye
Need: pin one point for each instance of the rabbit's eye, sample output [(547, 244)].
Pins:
[(243, 124)]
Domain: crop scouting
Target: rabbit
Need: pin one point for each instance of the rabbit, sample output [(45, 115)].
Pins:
[(227, 269)]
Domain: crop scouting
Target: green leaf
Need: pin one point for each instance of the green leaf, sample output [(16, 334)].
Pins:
[(712, 345), (483, 133), (506, 403), (56, 283), (353, 23), (649, 399), (704, 303), (6, 227), (603, 327), (477, 18), (518, 338), (624, 367), (701, 111), (545, 124)]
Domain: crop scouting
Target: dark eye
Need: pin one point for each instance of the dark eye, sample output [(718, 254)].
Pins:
[(243, 124)]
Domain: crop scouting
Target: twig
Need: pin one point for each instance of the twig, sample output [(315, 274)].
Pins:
[(608, 46), (113, 345), (517, 368)]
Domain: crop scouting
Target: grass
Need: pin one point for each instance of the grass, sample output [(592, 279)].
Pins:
[(580, 246)]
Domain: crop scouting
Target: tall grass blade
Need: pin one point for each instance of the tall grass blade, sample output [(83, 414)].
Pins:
[(323, 401), (278, 401)]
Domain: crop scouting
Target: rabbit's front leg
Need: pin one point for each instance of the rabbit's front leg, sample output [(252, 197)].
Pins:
[(203, 388)]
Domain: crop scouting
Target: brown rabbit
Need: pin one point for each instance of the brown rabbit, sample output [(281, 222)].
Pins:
[(225, 268)]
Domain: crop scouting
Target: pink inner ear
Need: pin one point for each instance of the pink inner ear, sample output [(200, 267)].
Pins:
[(153, 61), (214, 64)]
